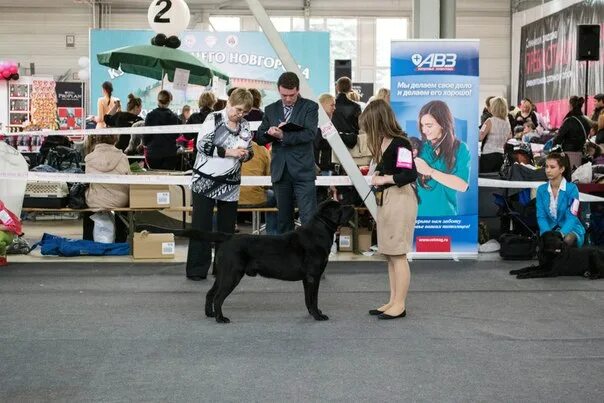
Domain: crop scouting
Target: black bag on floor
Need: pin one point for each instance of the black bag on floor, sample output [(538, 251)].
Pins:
[(517, 247)]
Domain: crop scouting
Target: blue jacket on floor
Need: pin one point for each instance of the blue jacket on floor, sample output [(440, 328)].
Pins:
[(565, 221)]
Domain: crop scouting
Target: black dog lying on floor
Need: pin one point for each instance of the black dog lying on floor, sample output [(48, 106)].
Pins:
[(556, 258), (294, 256)]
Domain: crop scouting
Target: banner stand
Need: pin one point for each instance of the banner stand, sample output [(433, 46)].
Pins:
[(435, 96)]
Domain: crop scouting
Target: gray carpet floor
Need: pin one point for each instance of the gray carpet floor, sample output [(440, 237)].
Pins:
[(131, 333)]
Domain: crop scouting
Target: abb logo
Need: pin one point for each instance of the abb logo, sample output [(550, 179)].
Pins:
[(435, 61)]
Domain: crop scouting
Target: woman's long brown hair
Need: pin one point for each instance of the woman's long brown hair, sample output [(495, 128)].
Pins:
[(449, 144), (379, 122)]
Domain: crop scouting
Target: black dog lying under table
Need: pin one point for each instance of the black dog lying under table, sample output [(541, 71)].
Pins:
[(294, 256), (556, 258)]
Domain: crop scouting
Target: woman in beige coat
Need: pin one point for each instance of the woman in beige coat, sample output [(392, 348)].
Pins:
[(106, 159)]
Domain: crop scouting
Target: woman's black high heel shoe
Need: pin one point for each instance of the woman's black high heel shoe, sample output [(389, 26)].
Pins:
[(375, 312), (385, 316)]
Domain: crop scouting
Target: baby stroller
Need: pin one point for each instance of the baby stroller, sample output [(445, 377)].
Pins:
[(520, 243), (519, 211)]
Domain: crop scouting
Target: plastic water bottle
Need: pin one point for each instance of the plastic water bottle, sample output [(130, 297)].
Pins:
[(334, 247)]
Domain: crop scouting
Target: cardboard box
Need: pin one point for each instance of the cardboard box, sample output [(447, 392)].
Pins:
[(149, 196), (364, 239), (345, 242), (153, 246)]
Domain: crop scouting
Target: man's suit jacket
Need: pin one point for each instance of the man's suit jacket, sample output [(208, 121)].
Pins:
[(295, 150)]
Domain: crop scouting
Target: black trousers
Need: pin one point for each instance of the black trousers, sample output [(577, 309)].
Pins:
[(288, 191), (199, 257), (170, 163), (121, 229), (490, 162)]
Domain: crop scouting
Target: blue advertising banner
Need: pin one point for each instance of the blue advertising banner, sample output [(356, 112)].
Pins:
[(246, 57), (435, 98)]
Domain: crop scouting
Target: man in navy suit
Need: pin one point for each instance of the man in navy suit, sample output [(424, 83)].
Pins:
[(292, 161)]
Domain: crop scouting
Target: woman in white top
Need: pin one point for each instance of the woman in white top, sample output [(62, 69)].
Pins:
[(106, 105), (494, 133)]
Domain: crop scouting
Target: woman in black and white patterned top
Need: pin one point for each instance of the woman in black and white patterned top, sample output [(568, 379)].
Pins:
[(224, 143)]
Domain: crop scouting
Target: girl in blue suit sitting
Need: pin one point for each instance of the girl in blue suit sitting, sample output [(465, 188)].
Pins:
[(558, 201)]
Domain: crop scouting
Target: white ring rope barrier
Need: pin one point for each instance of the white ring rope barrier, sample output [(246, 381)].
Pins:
[(146, 179), (119, 130), (245, 181), (499, 183)]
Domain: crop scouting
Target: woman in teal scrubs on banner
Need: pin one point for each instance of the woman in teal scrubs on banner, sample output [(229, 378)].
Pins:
[(443, 163)]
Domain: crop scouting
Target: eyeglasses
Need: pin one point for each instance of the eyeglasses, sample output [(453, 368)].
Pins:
[(240, 111)]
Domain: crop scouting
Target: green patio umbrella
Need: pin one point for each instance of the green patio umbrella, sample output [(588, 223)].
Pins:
[(156, 61)]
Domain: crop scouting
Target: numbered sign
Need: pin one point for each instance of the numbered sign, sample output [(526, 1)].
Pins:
[(169, 17)]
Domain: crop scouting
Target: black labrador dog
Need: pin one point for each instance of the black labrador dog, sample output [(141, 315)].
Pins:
[(294, 256), (556, 258)]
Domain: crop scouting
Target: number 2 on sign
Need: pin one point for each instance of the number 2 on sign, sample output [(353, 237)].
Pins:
[(160, 13)]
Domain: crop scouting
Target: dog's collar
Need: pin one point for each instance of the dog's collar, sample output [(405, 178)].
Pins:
[(330, 225)]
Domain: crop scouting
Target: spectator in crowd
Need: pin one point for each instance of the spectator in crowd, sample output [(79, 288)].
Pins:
[(593, 153), (394, 177), (598, 107), (347, 112), (443, 161), (206, 103), (383, 93), (220, 104), (135, 147), (161, 147), (529, 132), (558, 201), (494, 133), (259, 196), (321, 146), (485, 111), (256, 113), (525, 114), (105, 158), (126, 119), (575, 127), (185, 115), (293, 163), (224, 143), (106, 105)]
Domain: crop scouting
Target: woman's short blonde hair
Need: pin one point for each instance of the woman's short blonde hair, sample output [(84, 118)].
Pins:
[(499, 107), (207, 100), (326, 97), (383, 93), (242, 96)]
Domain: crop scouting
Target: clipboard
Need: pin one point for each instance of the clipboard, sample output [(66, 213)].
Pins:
[(291, 127)]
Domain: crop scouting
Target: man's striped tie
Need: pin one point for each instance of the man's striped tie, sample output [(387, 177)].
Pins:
[(287, 112)]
